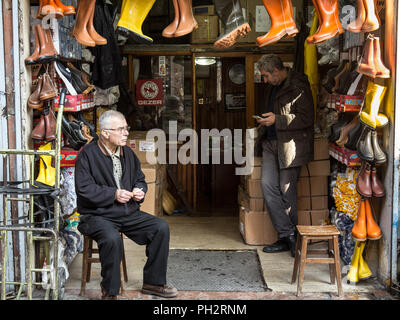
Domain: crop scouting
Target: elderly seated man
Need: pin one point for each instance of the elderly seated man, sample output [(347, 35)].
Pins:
[(110, 186)]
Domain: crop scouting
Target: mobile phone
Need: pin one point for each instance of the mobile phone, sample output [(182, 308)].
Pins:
[(257, 117)]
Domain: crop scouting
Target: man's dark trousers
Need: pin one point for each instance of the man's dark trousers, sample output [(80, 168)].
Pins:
[(279, 187), (142, 228)]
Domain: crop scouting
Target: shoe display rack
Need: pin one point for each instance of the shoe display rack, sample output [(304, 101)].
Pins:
[(45, 230)]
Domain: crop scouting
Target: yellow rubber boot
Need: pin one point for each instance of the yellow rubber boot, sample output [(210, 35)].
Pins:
[(373, 99), (364, 271), (352, 275), (47, 173), (133, 14)]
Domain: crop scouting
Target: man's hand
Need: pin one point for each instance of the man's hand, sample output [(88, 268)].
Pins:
[(123, 196), (138, 194), (268, 120)]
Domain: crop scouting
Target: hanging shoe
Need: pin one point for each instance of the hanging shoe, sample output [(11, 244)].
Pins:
[(282, 21), (354, 135), (339, 75), (381, 70), (67, 10), (373, 230), (39, 132), (50, 121), (83, 15), (32, 59), (371, 22), (47, 51), (364, 271), (66, 76), (47, 173), (98, 39), (83, 76), (330, 23), (367, 63), (34, 101), (373, 99), (352, 275), (48, 90), (169, 30), (364, 145), (378, 190), (379, 155), (363, 180), (359, 230), (234, 24), (356, 25), (187, 22), (49, 7), (344, 132), (132, 18)]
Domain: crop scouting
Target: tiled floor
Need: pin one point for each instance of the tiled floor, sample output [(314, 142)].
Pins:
[(223, 233)]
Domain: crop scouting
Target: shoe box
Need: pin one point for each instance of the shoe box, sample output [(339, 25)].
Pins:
[(142, 146)]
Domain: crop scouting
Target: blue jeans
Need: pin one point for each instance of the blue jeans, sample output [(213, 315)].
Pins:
[(279, 187)]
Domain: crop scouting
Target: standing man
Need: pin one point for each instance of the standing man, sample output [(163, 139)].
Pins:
[(285, 142), (110, 186)]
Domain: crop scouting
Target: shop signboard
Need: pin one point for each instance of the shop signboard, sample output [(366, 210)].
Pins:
[(149, 92)]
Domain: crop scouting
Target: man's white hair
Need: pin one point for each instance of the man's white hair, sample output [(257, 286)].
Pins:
[(105, 118)]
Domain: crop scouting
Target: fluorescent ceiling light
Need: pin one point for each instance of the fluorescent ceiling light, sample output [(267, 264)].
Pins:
[(205, 61)]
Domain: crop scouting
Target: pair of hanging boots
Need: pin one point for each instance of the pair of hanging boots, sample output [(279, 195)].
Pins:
[(75, 80), (368, 183), (365, 226), (74, 133), (371, 63), (83, 30), (44, 51), (359, 269), (367, 19), (329, 24), (54, 7), (46, 127), (282, 22), (234, 23), (184, 21), (45, 90)]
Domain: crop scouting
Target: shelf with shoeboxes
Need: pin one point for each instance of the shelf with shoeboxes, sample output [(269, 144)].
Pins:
[(155, 173)]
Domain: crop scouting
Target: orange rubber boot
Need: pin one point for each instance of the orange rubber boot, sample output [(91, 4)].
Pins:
[(359, 231), (373, 230)]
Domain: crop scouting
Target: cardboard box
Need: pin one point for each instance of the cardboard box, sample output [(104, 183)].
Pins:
[(312, 217), (204, 10), (152, 203), (319, 186), (321, 149), (207, 31), (316, 168), (144, 148), (252, 203), (314, 203), (253, 188), (256, 227), (255, 174), (153, 172)]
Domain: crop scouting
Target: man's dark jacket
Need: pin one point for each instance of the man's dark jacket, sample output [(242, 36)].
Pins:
[(294, 121), (95, 185)]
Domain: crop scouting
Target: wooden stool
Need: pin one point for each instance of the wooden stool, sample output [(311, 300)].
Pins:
[(87, 260), (325, 232)]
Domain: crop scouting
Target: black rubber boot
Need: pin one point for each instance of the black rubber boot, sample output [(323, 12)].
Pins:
[(233, 22)]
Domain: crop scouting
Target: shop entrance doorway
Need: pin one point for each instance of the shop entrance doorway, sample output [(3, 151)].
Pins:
[(221, 107)]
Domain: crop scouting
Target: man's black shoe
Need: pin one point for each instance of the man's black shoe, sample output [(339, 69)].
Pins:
[(291, 240), (279, 246)]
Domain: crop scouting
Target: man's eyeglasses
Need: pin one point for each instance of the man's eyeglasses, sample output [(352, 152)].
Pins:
[(121, 129)]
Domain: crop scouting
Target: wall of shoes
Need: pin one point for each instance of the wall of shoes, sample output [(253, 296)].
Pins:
[(354, 93), (56, 62)]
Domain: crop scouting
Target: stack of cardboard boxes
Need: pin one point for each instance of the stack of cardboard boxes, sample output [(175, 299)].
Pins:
[(155, 174), (312, 189), (312, 203), (208, 25)]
